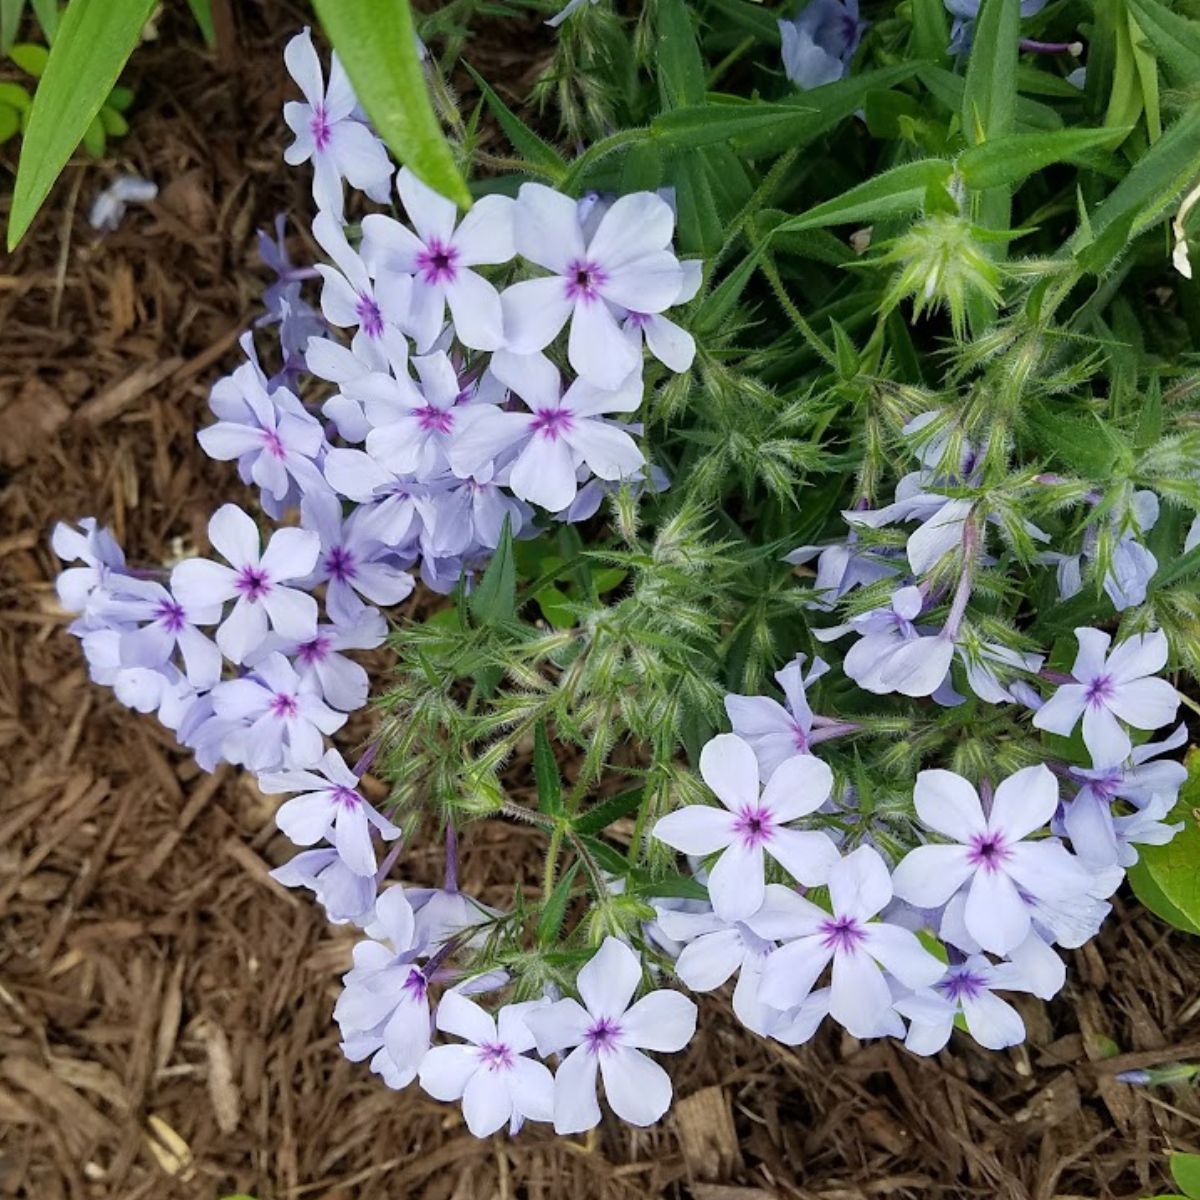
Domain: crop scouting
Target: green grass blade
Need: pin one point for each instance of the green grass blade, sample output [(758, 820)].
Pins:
[(202, 11), (377, 44), (10, 22), (95, 40)]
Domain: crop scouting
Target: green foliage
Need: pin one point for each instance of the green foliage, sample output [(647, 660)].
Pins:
[(1167, 878), (93, 42)]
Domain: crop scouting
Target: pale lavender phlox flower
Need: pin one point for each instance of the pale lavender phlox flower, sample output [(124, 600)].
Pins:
[(330, 360), (275, 442), (444, 913), (320, 662), (281, 717), (714, 949), (626, 263), (346, 897), (965, 13), (968, 988), (1109, 688), (439, 257), (559, 432), (97, 549), (751, 825), (254, 579), (202, 732), (160, 625), (327, 131), (331, 807), (989, 853), (386, 994), (819, 43), (985, 662), (859, 947), (394, 506), (777, 731), (376, 309), (489, 1071), (841, 567), (470, 514), (352, 562), (609, 1036)]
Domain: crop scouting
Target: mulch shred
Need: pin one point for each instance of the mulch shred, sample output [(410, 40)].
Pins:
[(165, 1023)]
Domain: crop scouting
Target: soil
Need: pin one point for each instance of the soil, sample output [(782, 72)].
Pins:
[(165, 1009)]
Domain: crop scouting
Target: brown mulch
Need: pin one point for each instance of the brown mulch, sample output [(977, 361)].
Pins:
[(165, 1010)]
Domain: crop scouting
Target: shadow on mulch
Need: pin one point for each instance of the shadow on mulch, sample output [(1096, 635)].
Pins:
[(165, 1010)]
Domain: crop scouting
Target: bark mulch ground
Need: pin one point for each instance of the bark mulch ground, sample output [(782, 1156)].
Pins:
[(165, 1009)]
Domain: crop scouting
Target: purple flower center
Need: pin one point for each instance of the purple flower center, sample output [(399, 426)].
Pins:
[(637, 320), (252, 582), (433, 419), (345, 797), (310, 653), (416, 984), (841, 934), (437, 263), (170, 616), (495, 1056), (272, 445), (584, 279), (1100, 691), (799, 738), (318, 126), (339, 562), (283, 706), (602, 1035), (369, 316), (754, 826), (989, 851), (962, 985), (552, 423)]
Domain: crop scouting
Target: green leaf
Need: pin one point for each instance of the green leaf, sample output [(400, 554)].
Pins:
[(1185, 1170), (95, 40), (120, 98), (10, 121), (545, 773), (555, 908), (494, 600), (1146, 69), (990, 91), (113, 123), (542, 158), (555, 606), (1085, 443), (15, 96), (47, 15), (1005, 161), (94, 140), (1174, 869), (900, 190), (202, 12), (931, 34), (1178, 568), (949, 90), (681, 75), (603, 815), (1175, 39), (1151, 896), (10, 22), (377, 45), (30, 58)]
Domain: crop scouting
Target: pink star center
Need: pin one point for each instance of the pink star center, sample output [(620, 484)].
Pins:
[(318, 126), (272, 445), (438, 262), (170, 616), (310, 653), (584, 280), (345, 797), (841, 934), (496, 1056), (339, 562), (988, 851), (602, 1035), (416, 984), (962, 985), (754, 826), (553, 423), (1100, 691), (283, 706), (252, 582), (369, 316), (433, 419)]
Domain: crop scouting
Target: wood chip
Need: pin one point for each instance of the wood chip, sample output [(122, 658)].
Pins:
[(707, 1137), (226, 1099), (115, 400)]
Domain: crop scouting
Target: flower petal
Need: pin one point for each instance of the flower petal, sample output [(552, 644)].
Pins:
[(859, 885), (609, 978), (996, 916), (948, 804), (736, 882), (799, 786), (661, 1020), (576, 1108), (929, 875), (807, 855), (637, 1089), (728, 766), (1024, 802), (696, 829)]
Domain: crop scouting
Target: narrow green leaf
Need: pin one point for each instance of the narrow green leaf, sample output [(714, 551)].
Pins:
[(202, 12), (542, 158), (681, 75), (10, 22), (1005, 161), (1147, 73), (755, 19), (494, 600), (377, 45), (949, 90), (931, 34), (15, 96), (990, 91), (545, 773), (1175, 39), (900, 190), (113, 123), (1181, 567), (95, 40), (599, 818), (555, 908), (94, 139), (10, 121), (47, 15)]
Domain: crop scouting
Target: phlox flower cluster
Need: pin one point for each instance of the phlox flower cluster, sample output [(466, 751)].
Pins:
[(416, 414)]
